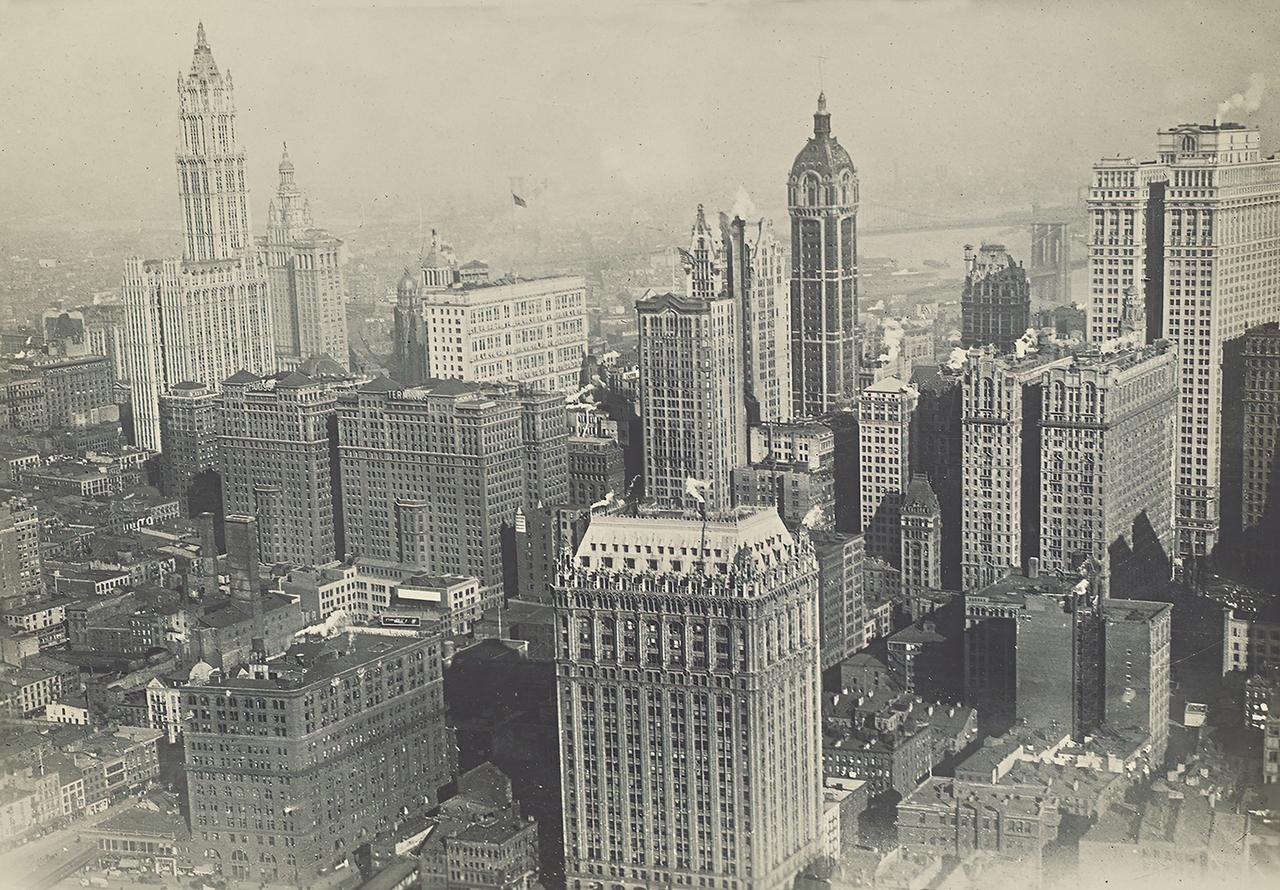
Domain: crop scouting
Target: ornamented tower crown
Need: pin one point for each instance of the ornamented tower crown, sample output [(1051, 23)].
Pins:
[(211, 180)]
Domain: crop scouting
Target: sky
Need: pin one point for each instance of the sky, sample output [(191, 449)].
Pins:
[(419, 104)]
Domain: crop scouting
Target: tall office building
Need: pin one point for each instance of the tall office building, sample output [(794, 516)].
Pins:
[(1051, 652), (938, 453), (756, 276), (692, 405), (1001, 464), (995, 308), (885, 410), (842, 607), (278, 442), (705, 262), (532, 332), (189, 454), (208, 315), (1251, 478), (1201, 226), (1107, 433), (297, 762), (921, 534), (792, 468), (822, 196), (304, 272), (687, 672), (432, 476), (596, 469)]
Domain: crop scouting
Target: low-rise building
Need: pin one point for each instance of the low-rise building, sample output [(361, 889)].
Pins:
[(1170, 838), (891, 741)]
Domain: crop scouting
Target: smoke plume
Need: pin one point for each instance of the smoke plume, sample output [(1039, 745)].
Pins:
[(1246, 102)]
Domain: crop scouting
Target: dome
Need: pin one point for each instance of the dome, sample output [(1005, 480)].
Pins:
[(823, 154), (286, 165), (407, 285)]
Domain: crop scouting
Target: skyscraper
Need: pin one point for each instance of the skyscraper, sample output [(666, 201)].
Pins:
[(189, 464), (532, 332), (921, 533), (1106, 465), (298, 762), (278, 443), (691, 396), (757, 278), (432, 476), (1259, 448), (304, 270), (687, 666), (704, 266), (1201, 226), (208, 315), (1001, 464), (822, 196), (995, 308), (1049, 651), (939, 453), (742, 259), (885, 410)]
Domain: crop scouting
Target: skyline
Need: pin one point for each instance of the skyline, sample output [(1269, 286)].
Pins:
[(589, 101)]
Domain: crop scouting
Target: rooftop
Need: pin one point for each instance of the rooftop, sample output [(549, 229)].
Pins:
[(679, 542), (316, 661)]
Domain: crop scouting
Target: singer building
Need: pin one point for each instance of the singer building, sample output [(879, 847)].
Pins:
[(687, 659)]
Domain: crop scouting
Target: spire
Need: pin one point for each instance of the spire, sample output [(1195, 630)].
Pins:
[(700, 222), (821, 118), (202, 64), (286, 169)]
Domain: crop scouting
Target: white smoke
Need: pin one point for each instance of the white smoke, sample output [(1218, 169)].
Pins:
[(957, 359), (814, 518), (1026, 343), (743, 206), (893, 334), (1246, 102)]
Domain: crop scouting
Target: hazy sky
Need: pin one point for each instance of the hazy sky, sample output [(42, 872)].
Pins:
[(420, 101)]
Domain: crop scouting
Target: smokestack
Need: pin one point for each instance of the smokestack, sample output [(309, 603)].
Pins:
[(243, 565), (1033, 567)]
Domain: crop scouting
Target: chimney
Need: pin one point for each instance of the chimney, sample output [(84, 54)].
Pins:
[(1033, 567)]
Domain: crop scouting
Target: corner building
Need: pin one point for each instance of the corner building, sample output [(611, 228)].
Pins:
[(822, 197), (687, 664), (295, 764)]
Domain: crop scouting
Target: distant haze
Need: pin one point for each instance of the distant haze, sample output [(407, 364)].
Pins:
[(423, 104)]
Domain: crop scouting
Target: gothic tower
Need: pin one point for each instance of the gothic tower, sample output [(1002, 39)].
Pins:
[(822, 196), (204, 317), (215, 205)]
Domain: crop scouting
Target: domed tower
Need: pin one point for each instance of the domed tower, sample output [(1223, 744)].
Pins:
[(822, 197)]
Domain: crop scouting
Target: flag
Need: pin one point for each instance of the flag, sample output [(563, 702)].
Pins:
[(519, 201), (696, 488)]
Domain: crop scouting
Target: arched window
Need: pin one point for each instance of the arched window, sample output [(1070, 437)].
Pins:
[(1188, 143), (848, 193), (812, 187)]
